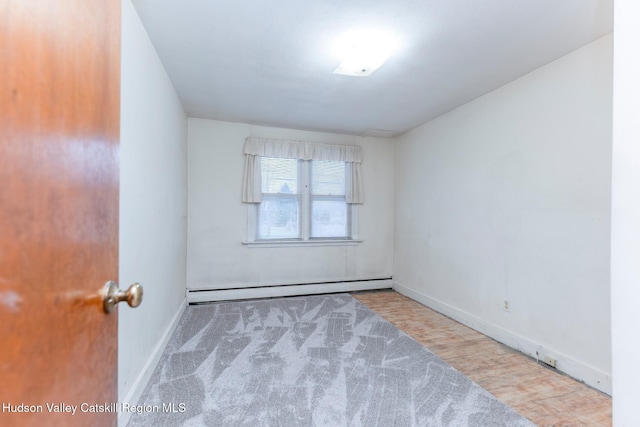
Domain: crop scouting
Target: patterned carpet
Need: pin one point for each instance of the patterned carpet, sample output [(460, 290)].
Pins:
[(307, 361)]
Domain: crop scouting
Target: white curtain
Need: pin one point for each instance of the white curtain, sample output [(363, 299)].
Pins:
[(354, 193), (254, 148), (252, 183)]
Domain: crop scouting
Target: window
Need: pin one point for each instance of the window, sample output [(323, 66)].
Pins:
[(279, 212), (301, 192), (330, 216), (303, 200)]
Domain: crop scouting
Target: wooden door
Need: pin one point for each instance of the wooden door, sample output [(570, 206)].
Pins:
[(59, 142)]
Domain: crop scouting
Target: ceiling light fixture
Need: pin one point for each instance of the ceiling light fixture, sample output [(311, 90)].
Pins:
[(363, 52)]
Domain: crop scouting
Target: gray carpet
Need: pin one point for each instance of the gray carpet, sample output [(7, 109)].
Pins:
[(308, 361)]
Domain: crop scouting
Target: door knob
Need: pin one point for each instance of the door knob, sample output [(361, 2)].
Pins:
[(112, 295)]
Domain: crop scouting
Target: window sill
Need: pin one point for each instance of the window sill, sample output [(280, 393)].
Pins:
[(290, 243)]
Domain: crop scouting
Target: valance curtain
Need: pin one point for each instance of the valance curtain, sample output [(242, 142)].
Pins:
[(254, 148)]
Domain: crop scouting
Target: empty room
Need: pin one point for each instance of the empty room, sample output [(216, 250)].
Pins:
[(304, 213)]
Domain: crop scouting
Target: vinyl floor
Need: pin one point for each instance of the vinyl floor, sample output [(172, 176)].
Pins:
[(544, 396)]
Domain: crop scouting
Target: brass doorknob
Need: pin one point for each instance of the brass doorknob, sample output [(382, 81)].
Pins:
[(112, 295)]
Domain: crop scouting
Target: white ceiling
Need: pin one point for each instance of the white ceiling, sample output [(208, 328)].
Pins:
[(271, 62)]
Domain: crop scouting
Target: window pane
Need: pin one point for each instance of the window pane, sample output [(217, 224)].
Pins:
[(279, 175), (327, 178), (278, 218), (329, 218)]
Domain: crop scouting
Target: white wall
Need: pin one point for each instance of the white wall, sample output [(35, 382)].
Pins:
[(508, 198), (625, 218), (218, 219), (153, 205)]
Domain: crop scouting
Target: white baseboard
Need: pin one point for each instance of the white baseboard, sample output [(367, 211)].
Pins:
[(138, 386), (595, 378), (196, 296)]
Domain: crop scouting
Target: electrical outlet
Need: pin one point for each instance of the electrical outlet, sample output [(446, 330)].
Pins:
[(506, 305)]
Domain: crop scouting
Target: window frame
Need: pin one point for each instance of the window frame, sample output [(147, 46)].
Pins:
[(304, 220)]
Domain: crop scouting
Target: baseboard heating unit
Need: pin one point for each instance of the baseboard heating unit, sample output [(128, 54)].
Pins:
[(195, 296)]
